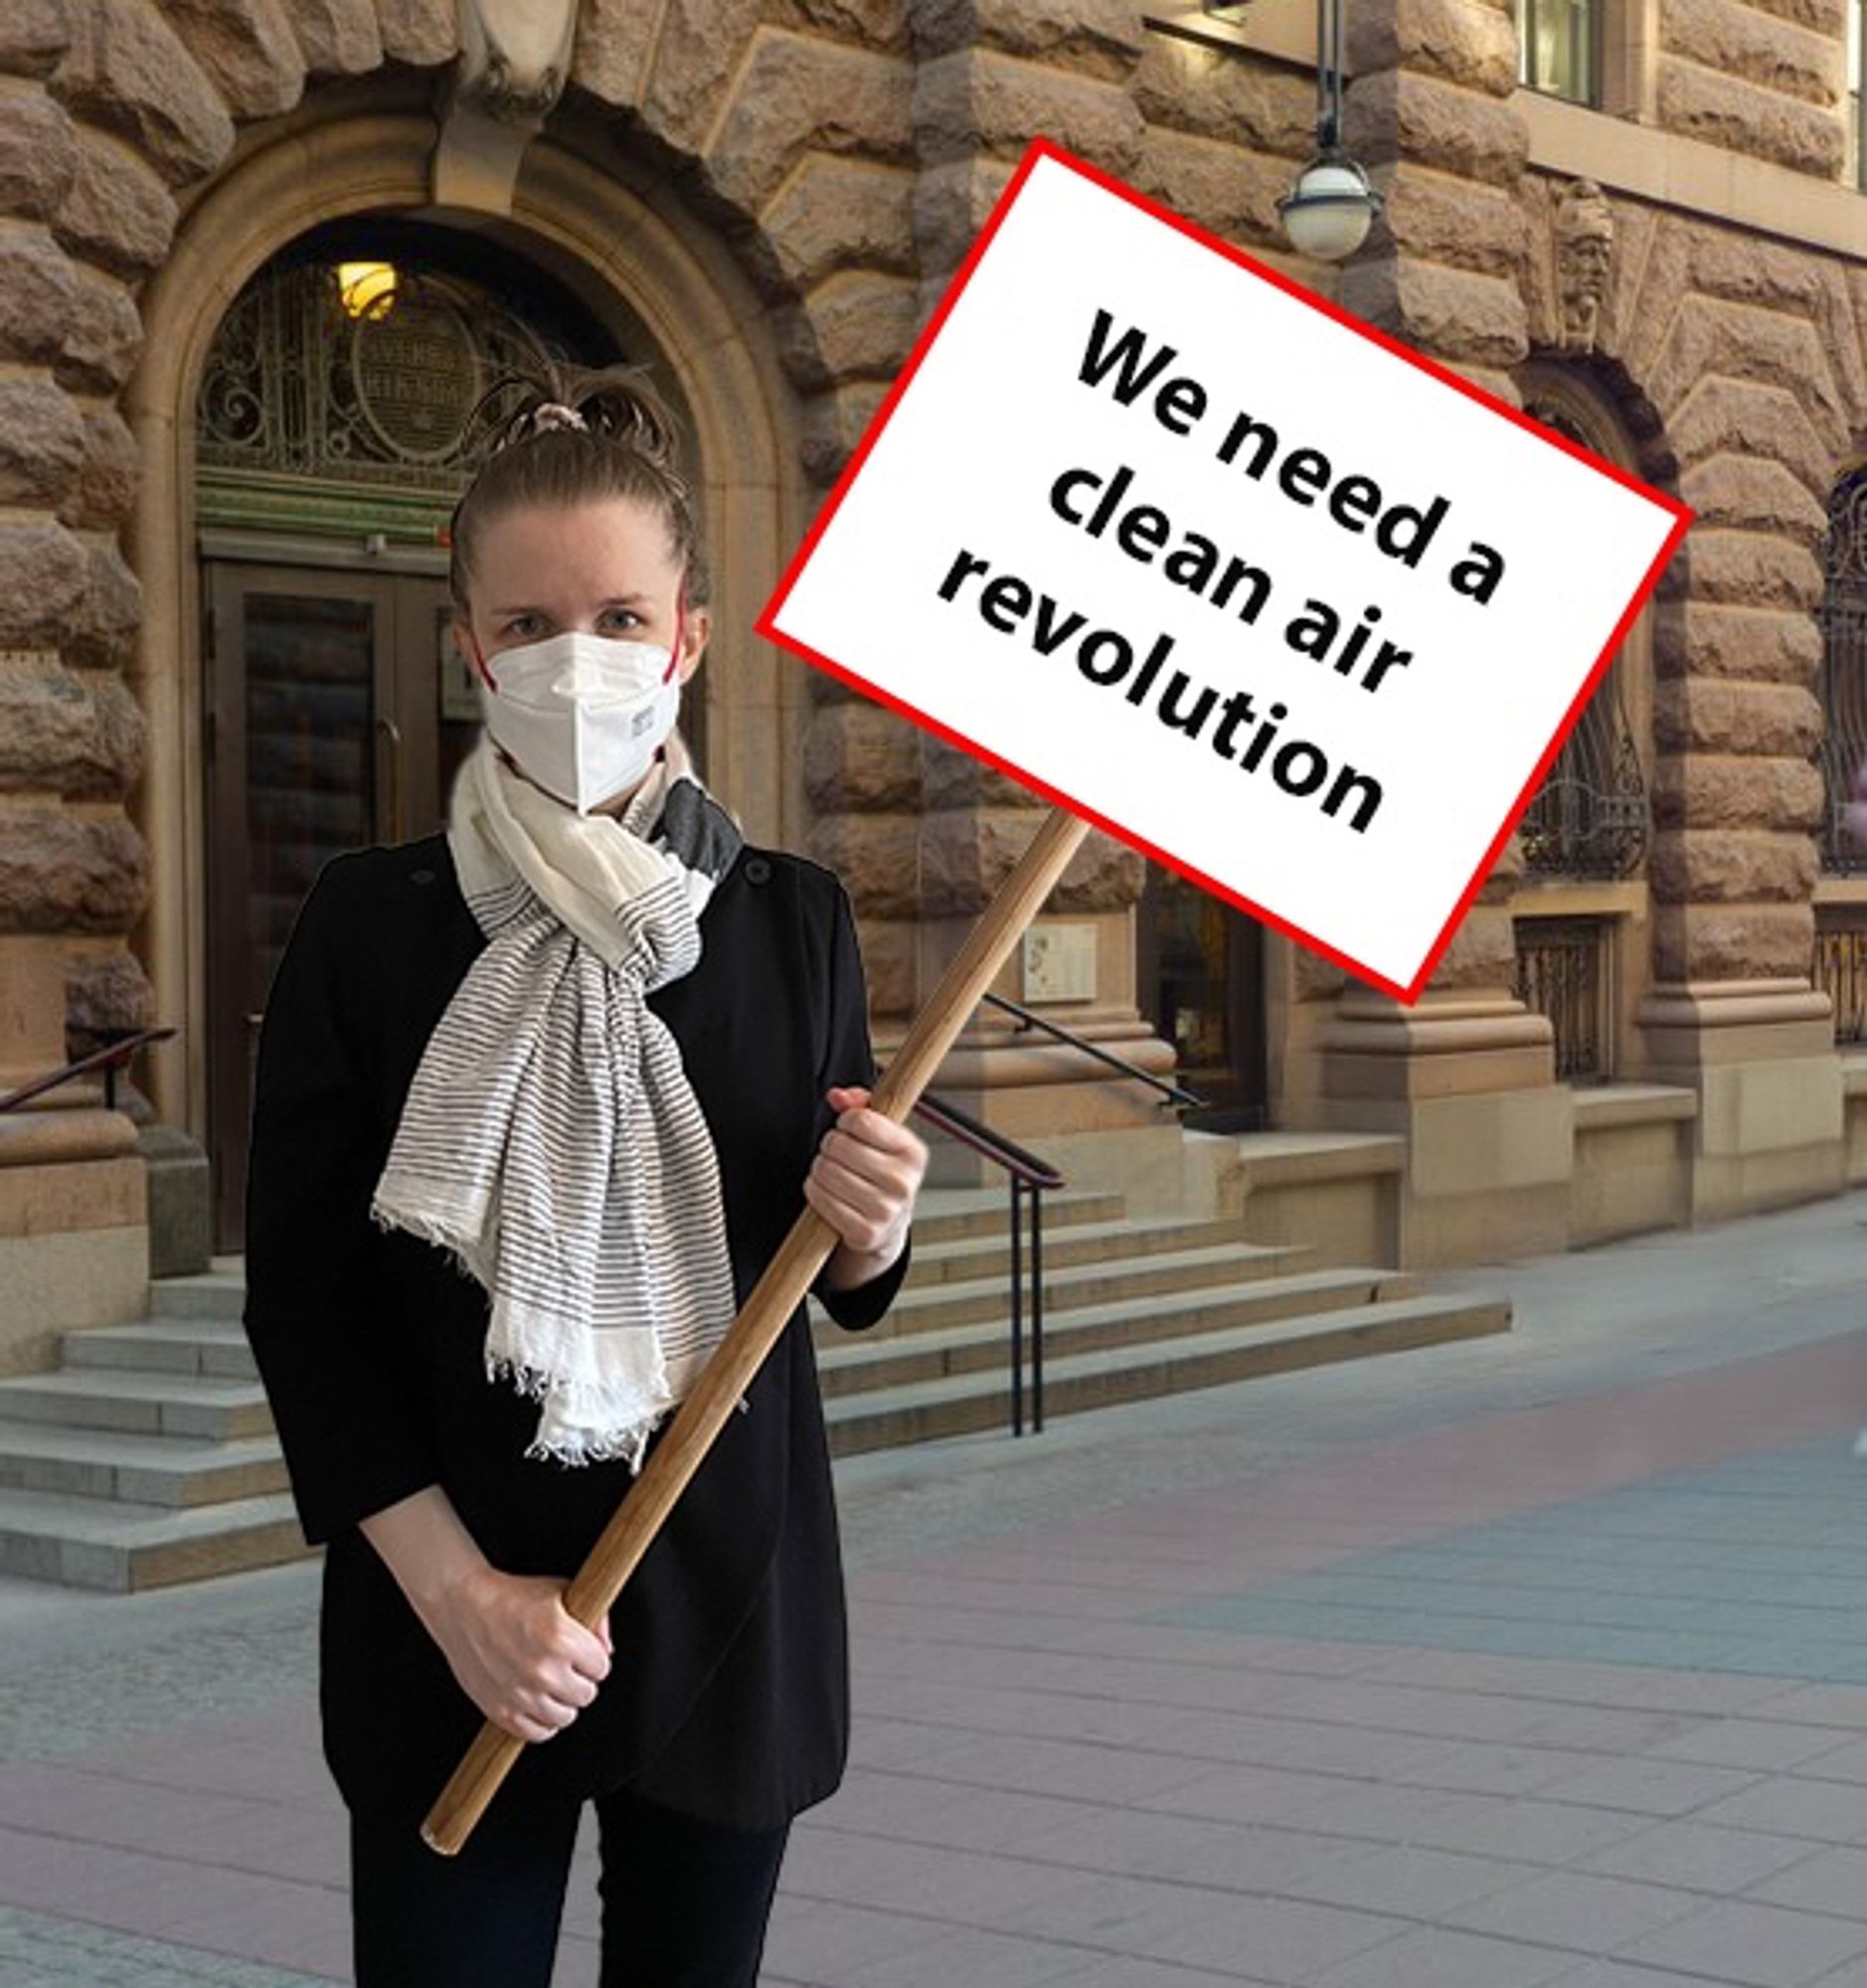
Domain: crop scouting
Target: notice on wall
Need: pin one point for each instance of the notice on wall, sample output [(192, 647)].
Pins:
[(1178, 545)]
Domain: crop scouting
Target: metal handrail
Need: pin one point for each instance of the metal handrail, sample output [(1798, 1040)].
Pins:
[(1031, 1174), (110, 1059), (1173, 1093)]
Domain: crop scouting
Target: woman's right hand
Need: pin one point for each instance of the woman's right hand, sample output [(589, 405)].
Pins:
[(515, 1650)]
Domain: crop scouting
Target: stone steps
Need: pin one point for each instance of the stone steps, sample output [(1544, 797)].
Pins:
[(967, 1403), (149, 1456)]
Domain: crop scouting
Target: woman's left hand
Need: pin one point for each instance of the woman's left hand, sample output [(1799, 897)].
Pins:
[(863, 1182)]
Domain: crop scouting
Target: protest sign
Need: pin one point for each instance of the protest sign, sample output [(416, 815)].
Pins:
[(1181, 547)]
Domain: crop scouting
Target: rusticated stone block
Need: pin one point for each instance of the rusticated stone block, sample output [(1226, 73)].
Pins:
[(980, 101), (1740, 116), (966, 855), (128, 70), (1707, 639), (834, 424), (42, 444), (1455, 224), (47, 718), (1732, 941), (80, 733), (1449, 314), (44, 572), (1482, 953), (888, 948), (1101, 37), (1741, 342), (104, 494), (700, 48), (1746, 417), (33, 34), (1745, 267), (1747, 493), (1313, 978), (951, 204), (422, 32), (835, 213), (951, 778), (1231, 193), (1257, 107), (878, 857), (1730, 865), (247, 50), (1395, 116), (1770, 720), (868, 24), (339, 37), (61, 873), (38, 155), (1825, 17), (38, 289), (108, 990), (1737, 40), (102, 630), (1703, 791), (111, 760), (614, 39), (861, 759), (118, 213), (855, 324), (103, 334), (1749, 570), (1457, 41), (798, 95)]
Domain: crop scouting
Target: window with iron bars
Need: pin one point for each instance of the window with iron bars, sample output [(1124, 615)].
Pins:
[(1843, 618), (1839, 969), (1565, 970)]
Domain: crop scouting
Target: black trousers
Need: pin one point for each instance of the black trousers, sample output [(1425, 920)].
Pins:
[(684, 1902)]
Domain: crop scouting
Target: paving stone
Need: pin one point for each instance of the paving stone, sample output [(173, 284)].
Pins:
[(1697, 1857), (1764, 1945), (1568, 1909)]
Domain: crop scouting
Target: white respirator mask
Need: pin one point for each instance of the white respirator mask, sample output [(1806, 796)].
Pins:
[(583, 716)]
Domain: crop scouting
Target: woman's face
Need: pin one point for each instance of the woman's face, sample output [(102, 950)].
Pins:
[(603, 567)]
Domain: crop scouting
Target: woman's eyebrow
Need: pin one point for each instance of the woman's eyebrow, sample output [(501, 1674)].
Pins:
[(615, 601)]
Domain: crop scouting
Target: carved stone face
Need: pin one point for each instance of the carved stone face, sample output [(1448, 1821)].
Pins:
[(1585, 248)]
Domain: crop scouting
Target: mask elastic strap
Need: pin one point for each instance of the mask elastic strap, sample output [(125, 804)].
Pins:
[(680, 617), (491, 682)]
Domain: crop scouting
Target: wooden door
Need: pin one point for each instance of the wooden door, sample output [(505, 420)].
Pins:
[(326, 693)]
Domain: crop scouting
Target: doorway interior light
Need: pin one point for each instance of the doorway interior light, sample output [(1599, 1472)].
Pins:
[(1328, 212), (366, 289)]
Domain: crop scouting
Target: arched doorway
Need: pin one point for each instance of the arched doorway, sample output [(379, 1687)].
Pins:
[(581, 217), (333, 435)]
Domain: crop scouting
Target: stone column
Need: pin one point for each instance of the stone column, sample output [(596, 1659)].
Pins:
[(922, 832), (1467, 1074)]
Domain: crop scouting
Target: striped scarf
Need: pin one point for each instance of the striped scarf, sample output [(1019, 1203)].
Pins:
[(550, 1141)]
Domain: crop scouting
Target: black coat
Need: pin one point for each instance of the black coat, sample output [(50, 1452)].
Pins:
[(728, 1696)]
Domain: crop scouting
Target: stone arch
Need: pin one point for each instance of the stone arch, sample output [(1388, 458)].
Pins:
[(609, 239)]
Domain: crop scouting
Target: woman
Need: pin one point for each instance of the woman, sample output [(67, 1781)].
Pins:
[(536, 1101)]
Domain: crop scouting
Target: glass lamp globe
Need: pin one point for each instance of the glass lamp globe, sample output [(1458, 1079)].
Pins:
[(1328, 212)]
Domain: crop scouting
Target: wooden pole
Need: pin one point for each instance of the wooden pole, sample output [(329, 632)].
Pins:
[(765, 1313)]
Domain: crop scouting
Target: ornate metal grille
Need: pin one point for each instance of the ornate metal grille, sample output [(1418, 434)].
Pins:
[(1840, 970), (1592, 816), (1563, 971), (311, 414), (1843, 617)]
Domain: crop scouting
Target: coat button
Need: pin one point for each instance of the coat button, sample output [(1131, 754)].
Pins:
[(421, 876), (757, 870)]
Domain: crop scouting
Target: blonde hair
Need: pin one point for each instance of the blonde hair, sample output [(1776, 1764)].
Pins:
[(627, 446)]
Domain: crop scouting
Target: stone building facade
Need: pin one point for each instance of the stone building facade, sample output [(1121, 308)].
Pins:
[(766, 198)]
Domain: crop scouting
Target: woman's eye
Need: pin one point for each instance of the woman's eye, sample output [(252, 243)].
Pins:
[(521, 624), (622, 614)]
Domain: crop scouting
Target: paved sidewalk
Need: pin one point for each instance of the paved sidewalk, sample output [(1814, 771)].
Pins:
[(1530, 1660)]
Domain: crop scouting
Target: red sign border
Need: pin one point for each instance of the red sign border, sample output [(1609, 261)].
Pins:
[(1046, 148)]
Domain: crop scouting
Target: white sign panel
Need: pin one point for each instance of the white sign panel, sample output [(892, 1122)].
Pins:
[(1181, 547)]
